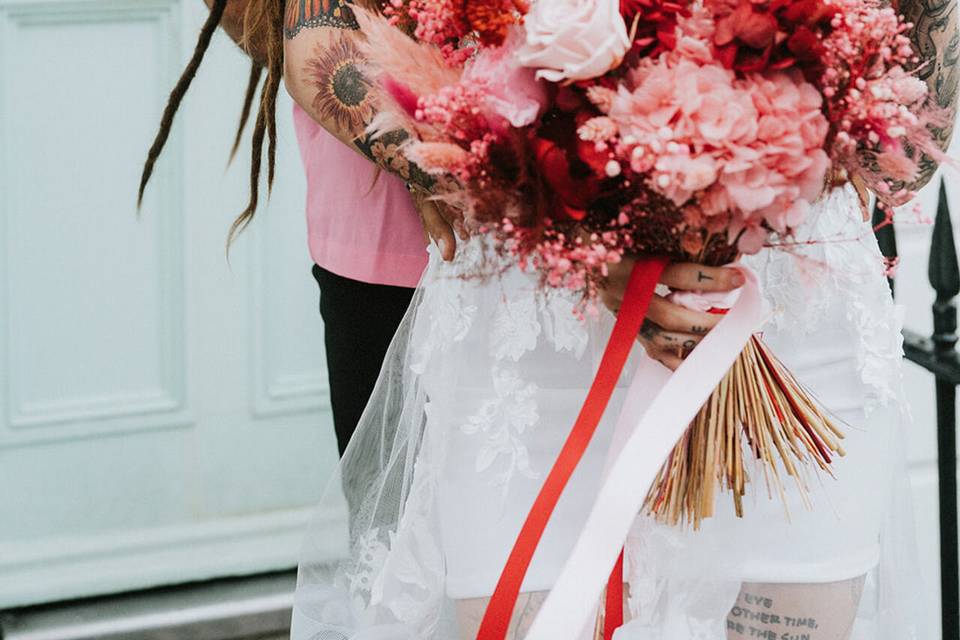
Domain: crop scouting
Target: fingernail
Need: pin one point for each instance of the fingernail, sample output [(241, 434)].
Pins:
[(738, 279)]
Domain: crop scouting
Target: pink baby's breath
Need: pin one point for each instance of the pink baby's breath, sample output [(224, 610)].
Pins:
[(873, 102)]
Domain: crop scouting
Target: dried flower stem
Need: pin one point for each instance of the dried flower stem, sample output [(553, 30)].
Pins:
[(759, 407)]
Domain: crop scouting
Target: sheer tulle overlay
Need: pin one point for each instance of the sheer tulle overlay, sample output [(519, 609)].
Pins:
[(479, 389)]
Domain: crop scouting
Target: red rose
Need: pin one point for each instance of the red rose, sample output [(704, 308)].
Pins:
[(567, 164), (569, 200)]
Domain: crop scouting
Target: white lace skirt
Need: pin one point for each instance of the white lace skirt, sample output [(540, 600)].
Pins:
[(479, 391)]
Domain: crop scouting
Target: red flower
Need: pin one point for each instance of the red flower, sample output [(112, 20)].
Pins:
[(492, 18), (568, 168), (569, 200), (656, 23), (751, 25), (756, 35)]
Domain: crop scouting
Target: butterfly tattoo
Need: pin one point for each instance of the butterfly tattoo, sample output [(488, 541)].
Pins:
[(307, 14)]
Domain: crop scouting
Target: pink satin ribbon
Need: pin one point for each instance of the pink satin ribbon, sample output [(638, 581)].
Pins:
[(658, 408)]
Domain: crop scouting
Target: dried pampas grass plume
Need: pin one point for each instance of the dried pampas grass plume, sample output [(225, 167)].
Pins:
[(393, 54), (437, 158), (396, 63)]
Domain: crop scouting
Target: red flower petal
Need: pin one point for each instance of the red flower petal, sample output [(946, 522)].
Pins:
[(756, 35), (755, 28), (804, 44), (725, 32), (656, 22), (573, 194)]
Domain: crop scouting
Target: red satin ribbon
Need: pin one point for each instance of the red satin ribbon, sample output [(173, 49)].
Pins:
[(640, 289), (613, 615)]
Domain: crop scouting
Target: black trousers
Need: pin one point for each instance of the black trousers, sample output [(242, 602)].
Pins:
[(359, 321)]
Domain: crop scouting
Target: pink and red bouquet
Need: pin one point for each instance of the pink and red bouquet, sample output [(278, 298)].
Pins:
[(581, 130), (576, 132)]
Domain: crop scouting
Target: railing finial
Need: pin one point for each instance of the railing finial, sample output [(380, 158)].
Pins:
[(944, 274)]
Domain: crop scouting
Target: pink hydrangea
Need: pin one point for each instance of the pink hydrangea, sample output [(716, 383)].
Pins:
[(748, 150)]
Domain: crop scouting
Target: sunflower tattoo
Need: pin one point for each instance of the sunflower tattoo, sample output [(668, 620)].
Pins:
[(344, 95)]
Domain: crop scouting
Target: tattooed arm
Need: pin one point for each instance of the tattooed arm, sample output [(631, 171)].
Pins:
[(936, 38), (322, 73)]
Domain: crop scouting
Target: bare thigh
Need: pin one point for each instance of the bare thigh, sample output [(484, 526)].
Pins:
[(762, 612), (795, 611), (470, 613)]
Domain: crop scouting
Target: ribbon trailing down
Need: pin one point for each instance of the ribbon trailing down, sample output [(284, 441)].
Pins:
[(642, 441), (496, 619)]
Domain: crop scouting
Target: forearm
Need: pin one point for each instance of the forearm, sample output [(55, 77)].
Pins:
[(936, 39), (323, 75), (232, 24)]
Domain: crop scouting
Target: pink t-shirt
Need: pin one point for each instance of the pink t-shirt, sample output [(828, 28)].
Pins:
[(357, 228)]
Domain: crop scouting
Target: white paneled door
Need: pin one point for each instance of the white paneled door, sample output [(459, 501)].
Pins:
[(163, 413)]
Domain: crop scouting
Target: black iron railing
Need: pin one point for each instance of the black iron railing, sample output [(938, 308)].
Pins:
[(938, 355)]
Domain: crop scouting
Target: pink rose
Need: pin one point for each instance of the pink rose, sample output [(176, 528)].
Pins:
[(574, 39), (510, 90)]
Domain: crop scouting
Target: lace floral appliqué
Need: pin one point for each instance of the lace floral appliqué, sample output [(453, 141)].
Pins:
[(515, 328), (561, 325), (502, 422)]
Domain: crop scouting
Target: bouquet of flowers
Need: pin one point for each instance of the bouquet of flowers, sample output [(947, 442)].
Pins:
[(581, 131)]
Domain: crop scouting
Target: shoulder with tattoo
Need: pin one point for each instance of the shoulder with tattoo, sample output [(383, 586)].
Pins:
[(306, 14), (936, 39), (330, 67)]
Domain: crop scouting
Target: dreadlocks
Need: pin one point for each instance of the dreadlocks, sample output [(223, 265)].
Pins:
[(263, 18), (262, 24), (179, 90), (256, 72)]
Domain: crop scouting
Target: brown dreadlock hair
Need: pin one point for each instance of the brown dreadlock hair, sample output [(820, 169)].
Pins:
[(262, 25)]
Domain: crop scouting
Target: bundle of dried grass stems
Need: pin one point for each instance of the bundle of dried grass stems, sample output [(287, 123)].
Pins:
[(759, 410)]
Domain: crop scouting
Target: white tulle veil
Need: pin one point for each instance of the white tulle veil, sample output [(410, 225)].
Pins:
[(478, 390)]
